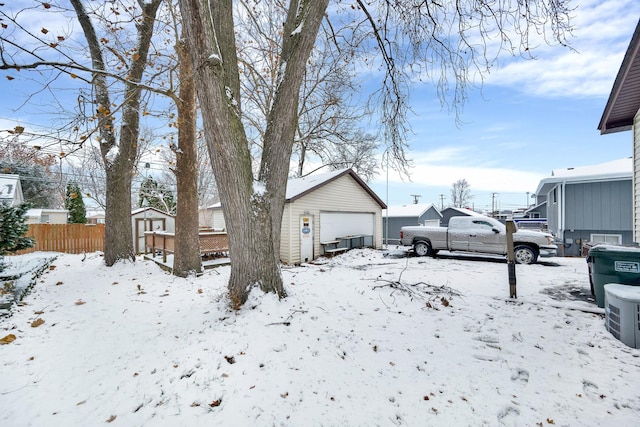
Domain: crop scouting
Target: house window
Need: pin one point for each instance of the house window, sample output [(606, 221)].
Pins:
[(614, 239), (534, 214), (554, 195)]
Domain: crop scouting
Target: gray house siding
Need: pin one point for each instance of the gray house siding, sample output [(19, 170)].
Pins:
[(393, 238), (574, 239), (553, 210), (599, 206), (448, 213), (395, 223), (596, 207)]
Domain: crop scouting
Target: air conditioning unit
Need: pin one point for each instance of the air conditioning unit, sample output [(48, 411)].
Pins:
[(622, 310)]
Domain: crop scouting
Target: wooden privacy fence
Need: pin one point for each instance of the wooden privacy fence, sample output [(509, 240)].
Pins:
[(67, 238)]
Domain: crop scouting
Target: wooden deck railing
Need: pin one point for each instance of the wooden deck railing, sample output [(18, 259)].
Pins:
[(211, 243)]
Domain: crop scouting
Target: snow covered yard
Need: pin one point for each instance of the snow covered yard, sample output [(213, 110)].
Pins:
[(134, 346)]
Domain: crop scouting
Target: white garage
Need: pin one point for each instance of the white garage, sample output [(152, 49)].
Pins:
[(336, 206)]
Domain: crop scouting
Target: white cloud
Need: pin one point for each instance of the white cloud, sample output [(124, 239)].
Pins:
[(479, 178), (444, 166), (602, 34)]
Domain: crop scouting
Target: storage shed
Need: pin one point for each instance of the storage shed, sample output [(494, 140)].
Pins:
[(149, 219), (396, 217)]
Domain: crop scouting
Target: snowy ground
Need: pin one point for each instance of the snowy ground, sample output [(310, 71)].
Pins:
[(134, 346)]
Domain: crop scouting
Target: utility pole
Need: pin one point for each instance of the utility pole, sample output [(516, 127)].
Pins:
[(441, 201), (415, 198), (527, 205), (493, 204)]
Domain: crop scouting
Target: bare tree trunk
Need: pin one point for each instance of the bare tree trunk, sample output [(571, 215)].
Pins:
[(118, 236), (187, 252), (253, 217)]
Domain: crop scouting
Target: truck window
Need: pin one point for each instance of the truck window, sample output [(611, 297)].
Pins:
[(483, 224)]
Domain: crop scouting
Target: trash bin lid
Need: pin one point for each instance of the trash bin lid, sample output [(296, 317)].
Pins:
[(623, 292), (611, 249)]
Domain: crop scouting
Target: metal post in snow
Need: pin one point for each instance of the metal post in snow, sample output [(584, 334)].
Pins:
[(511, 262)]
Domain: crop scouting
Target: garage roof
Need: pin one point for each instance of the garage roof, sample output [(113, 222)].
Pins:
[(414, 210), (624, 100), (299, 187)]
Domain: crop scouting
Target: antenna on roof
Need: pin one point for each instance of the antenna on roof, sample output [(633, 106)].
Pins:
[(415, 198)]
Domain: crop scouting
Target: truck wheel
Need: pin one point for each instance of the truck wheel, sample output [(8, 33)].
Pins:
[(422, 249), (525, 255)]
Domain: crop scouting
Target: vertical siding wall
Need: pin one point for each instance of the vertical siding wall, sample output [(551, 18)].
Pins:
[(341, 195), (636, 177), (602, 206), (553, 214)]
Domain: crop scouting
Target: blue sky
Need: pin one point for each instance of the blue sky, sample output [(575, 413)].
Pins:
[(529, 118)]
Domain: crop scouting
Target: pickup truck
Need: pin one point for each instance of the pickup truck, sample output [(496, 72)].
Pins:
[(478, 234)]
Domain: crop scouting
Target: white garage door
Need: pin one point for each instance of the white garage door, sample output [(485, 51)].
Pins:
[(338, 224)]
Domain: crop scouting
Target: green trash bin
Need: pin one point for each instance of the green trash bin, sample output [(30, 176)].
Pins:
[(612, 264)]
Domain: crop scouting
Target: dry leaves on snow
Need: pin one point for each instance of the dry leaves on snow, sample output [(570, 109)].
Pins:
[(39, 321), (8, 339)]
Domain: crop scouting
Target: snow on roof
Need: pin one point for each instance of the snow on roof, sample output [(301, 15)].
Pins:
[(616, 167), (33, 213), (465, 211), (149, 208), (8, 185), (298, 186), (37, 212), (95, 214), (613, 170), (410, 210)]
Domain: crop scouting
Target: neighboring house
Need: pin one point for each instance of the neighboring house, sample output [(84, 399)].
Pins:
[(322, 208), (590, 204), (622, 113), (47, 216), (212, 217), (535, 217), (448, 213), (149, 219), (95, 217), (537, 211), (395, 217), (10, 190), (204, 216)]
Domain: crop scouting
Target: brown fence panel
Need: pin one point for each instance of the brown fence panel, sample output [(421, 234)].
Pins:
[(67, 238)]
